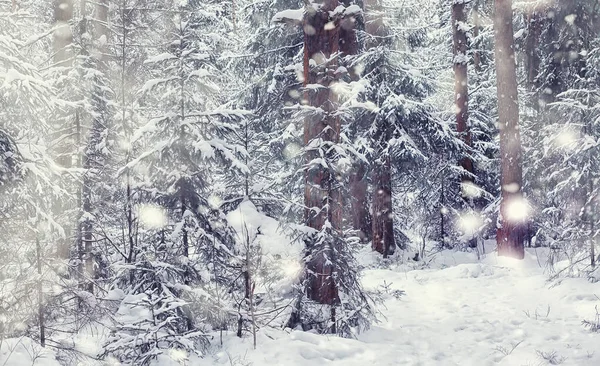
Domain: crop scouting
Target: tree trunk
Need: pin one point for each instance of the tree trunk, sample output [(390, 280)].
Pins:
[(383, 219), (382, 208), (461, 99), (461, 83), (322, 195), (512, 230), (358, 179), (476, 29), (361, 217)]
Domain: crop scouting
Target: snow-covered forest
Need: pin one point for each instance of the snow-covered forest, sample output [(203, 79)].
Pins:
[(299, 182)]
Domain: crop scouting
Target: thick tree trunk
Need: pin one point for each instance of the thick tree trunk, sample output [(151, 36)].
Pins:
[(322, 194), (461, 98), (512, 230)]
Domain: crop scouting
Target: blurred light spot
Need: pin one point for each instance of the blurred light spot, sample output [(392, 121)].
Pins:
[(290, 268), (517, 209), (566, 139), (512, 187), (152, 216), (291, 151), (470, 223), (570, 19), (178, 355), (295, 94), (215, 201), (470, 190), (310, 30)]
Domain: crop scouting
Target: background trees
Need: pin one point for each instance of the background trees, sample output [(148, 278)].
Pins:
[(133, 133)]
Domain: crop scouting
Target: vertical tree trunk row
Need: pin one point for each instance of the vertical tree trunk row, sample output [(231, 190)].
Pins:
[(512, 230)]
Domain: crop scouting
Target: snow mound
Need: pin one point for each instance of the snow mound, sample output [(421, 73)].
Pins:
[(461, 311), (25, 351), (279, 253)]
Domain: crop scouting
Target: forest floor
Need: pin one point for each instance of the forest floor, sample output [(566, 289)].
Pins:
[(451, 309), (459, 311)]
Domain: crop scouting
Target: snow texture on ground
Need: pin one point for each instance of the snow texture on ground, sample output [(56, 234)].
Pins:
[(24, 351), (462, 311), (458, 310)]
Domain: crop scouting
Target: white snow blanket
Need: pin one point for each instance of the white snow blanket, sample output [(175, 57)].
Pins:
[(463, 312)]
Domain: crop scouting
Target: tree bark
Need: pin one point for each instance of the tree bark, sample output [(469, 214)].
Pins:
[(512, 230), (461, 99), (322, 196)]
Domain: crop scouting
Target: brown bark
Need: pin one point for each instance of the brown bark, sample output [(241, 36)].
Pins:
[(322, 195), (511, 234), (461, 83)]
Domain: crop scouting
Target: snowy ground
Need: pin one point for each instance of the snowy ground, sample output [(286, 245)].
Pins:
[(463, 312), (457, 311)]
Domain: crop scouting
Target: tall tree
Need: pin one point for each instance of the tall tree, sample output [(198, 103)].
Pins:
[(461, 82), (460, 28), (330, 298), (382, 208), (64, 145), (512, 229), (321, 133), (350, 51)]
